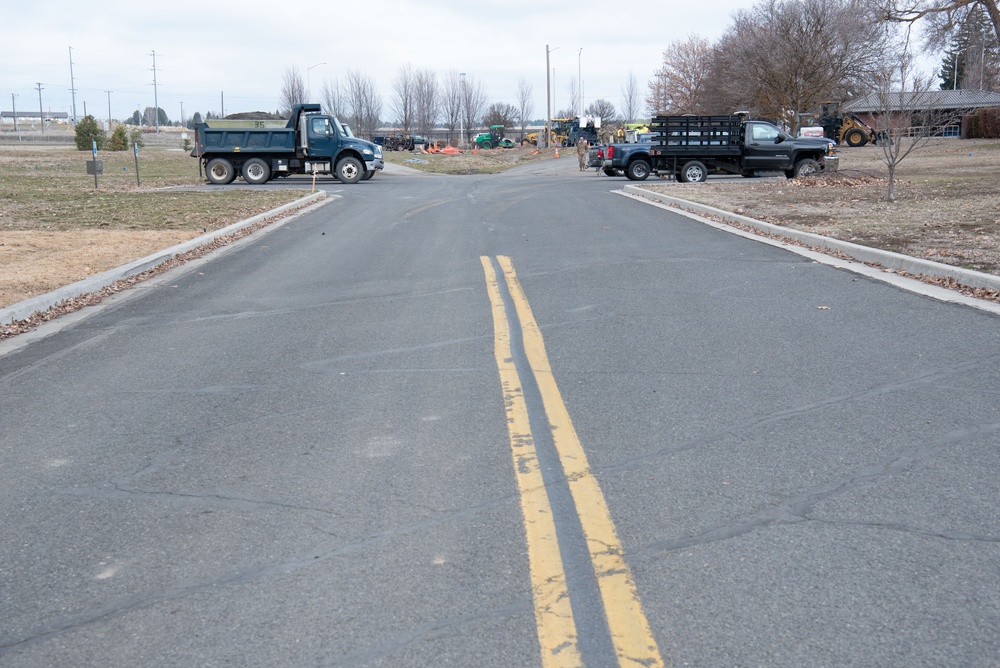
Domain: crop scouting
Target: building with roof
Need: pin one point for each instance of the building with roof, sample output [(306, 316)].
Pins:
[(947, 111)]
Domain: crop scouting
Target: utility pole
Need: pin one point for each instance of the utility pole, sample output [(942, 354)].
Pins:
[(72, 85), (156, 103), (579, 80), (182, 114), (109, 92), (461, 115), (222, 97), (41, 112), (13, 105)]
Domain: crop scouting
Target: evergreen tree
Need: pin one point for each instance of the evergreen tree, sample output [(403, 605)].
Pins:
[(88, 132), (119, 139)]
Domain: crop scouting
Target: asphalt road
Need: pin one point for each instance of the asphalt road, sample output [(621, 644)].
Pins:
[(509, 420)]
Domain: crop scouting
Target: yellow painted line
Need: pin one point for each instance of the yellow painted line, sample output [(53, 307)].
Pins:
[(630, 632), (553, 616)]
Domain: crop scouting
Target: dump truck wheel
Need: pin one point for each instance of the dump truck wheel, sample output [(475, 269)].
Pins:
[(255, 171), (349, 170), (220, 171), (855, 138)]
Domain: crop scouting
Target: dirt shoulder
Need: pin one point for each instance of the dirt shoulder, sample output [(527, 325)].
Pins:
[(947, 206)]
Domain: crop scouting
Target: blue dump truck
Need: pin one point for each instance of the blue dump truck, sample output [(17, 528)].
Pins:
[(310, 143), (689, 148)]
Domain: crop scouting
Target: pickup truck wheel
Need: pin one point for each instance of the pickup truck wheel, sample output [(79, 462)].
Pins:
[(806, 167), (255, 171), (220, 171), (693, 172), (349, 170), (637, 170), (855, 138)]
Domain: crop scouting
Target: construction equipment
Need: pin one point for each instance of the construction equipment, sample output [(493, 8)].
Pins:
[(845, 128), (493, 138), (557, 134)]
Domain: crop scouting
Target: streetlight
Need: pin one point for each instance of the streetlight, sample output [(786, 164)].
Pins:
[(548, 95), (461, 117), (579, 80), (308, 79)]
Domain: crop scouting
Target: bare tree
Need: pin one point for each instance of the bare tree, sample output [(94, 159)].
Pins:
[(782, 57), (333, 98), (603, 110), (451, 103), (363, 103), (905, 118), (404, 89), (525, 106), (427, 102), (630, 97), (679, 86), (942, 17), (501, 113), (293, 89), (474, 101)]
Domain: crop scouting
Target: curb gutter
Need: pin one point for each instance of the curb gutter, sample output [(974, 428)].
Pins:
[(886, 259)]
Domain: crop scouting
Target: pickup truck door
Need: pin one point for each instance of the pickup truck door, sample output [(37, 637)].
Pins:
[(766, 148), (322, 137)]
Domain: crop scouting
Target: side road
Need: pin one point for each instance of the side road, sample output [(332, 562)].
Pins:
[(941, 281)]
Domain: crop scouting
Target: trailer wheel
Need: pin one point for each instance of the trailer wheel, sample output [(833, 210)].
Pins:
[(806, 167), (220, 171), (693, 172), (255, 171), (637, 170), (855, 137), (349, 170)]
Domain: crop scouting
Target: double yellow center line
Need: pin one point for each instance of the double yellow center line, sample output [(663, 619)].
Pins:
[(557, 632)]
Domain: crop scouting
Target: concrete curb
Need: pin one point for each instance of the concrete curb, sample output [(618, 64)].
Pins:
[(887, 259), (27, 308)]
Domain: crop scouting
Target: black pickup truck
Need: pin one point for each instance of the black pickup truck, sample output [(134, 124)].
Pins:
[(689, 148)]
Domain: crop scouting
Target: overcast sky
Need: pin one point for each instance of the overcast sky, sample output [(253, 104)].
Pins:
[(238, 51)]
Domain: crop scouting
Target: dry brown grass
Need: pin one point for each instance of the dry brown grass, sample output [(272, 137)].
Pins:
[(947, 207), (56, 228)]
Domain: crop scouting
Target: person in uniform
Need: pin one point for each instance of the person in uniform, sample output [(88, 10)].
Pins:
[(582, 147)]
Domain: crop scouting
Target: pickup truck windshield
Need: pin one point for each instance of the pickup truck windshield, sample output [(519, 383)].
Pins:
[(345, 129)]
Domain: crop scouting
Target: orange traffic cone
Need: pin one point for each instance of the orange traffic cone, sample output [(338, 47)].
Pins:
[(557, 150)]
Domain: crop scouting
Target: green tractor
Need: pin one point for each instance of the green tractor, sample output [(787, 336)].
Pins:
[(493, 138)]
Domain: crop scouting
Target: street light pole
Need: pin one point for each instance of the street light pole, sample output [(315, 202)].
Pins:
[(309, 79), (579, 80), (109, 92), (549, 75)]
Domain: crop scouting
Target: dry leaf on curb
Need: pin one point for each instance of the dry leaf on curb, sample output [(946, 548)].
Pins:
[(823, 308)]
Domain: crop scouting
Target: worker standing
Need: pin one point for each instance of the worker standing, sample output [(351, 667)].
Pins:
[(582, 147)]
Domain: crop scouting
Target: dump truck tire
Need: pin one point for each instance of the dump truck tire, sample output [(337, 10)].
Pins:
[(349, 170), (255, 171), (220, 171)]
